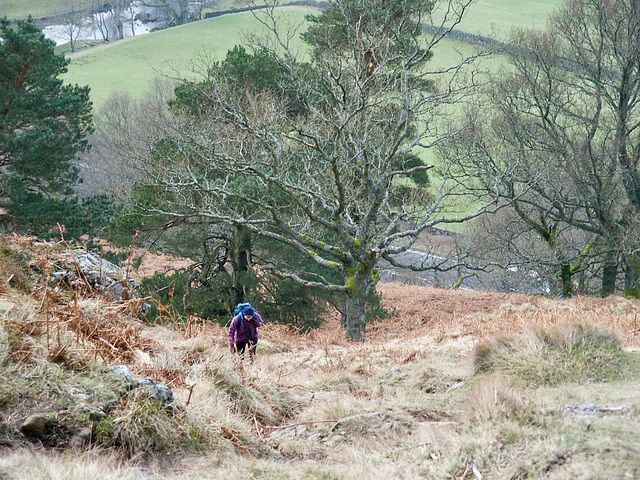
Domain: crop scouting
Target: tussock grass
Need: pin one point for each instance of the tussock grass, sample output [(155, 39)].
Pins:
[(565, 353), (499, 398), (249, 396), (140, 426)]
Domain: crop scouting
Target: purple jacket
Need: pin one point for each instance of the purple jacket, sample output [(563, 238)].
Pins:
[(239, 334)]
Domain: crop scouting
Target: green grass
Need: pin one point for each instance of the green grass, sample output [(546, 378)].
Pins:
[(132, 64), (488, 17), (19, 9)]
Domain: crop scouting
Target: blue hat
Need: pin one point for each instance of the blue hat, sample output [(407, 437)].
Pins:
[(248, 311)]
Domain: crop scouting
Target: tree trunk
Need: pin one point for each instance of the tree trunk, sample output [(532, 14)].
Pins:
[(356, 317), (241, 255), (609, 275), (632, 272), (360, 285), (566, 281)]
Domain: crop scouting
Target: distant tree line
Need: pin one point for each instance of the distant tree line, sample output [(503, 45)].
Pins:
[(555, 138)]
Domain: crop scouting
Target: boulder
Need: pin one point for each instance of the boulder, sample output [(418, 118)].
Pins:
[(36, 425), (82, 438), (99, 273), (157, 391), (96, 413), (123, 372)]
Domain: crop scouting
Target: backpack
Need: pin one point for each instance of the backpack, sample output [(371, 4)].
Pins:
[(238, 311), (240, 307)]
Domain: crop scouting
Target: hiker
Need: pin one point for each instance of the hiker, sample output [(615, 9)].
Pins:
[(243, 331)]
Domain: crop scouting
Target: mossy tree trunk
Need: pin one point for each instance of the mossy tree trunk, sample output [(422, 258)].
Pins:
[(609, 275), (241, 255), (360, 282)]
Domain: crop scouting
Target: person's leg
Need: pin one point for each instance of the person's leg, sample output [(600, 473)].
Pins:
[(252, 349), (240, 347)]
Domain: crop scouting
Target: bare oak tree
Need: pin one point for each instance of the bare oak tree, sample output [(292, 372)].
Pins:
[(76, 16), (558, 137), (323, 160)]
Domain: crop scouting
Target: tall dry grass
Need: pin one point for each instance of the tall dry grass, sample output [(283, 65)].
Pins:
[(38, 463)]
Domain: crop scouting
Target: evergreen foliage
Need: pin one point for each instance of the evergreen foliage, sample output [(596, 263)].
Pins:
[(43, 125)]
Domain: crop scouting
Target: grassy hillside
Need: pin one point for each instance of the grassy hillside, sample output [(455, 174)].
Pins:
[(18, 9), (498, 17), (437, 392), (132, 64), (483, 17)]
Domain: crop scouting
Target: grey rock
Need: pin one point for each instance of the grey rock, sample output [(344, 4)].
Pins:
[(589, 410), (359, 418), (584, 409), (57, 276), (123, 372), (95, 413), (98, 272), (157, 391), (82, 438)]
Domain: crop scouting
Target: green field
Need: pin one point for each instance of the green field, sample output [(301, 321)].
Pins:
[(498, 17), (18, 9), (132, 64)]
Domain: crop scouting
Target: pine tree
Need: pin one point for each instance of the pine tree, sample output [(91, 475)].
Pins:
[(43, 126)]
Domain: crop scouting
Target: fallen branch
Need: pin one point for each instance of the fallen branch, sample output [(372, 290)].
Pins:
[(282, 427)]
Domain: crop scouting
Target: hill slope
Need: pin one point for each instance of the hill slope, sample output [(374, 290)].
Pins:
[(179, 52), (411, 402), (131, 65)]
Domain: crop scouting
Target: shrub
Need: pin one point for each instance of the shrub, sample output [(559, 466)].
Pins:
[(551, 356)]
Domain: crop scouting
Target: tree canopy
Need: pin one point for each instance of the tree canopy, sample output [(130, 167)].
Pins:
[(43, 125), (336, 179)]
